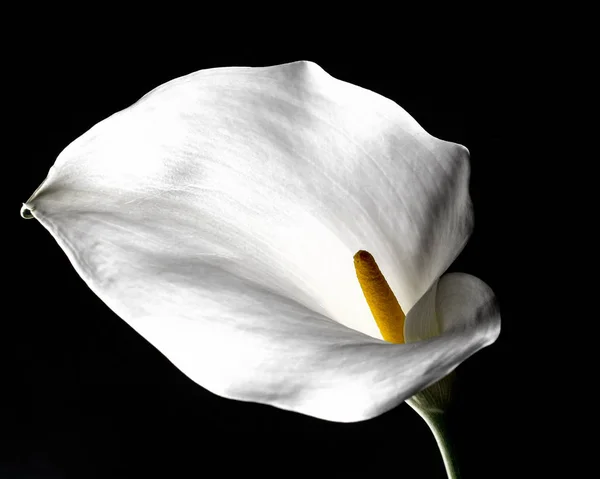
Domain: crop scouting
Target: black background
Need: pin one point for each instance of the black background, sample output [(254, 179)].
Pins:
[(94, 399)]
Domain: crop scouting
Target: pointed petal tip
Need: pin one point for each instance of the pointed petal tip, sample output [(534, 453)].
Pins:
[(26, 212)]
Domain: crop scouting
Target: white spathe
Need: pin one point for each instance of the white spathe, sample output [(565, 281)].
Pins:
[(219, 215)]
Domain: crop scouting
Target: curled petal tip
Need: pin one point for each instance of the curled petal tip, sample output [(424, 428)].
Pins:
[(26, 212)]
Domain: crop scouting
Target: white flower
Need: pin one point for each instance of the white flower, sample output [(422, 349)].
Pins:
[(219, 215)]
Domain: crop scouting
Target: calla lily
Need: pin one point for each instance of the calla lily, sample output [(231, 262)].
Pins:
[(219, 217)]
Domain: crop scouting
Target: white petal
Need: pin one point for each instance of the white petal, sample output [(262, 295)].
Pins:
[(455, 301), (219, 215), (284, 169)]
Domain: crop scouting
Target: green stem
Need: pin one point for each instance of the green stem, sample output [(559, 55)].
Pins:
[(439, 427)]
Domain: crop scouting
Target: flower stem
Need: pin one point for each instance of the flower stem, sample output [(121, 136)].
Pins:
[(438, 424)]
